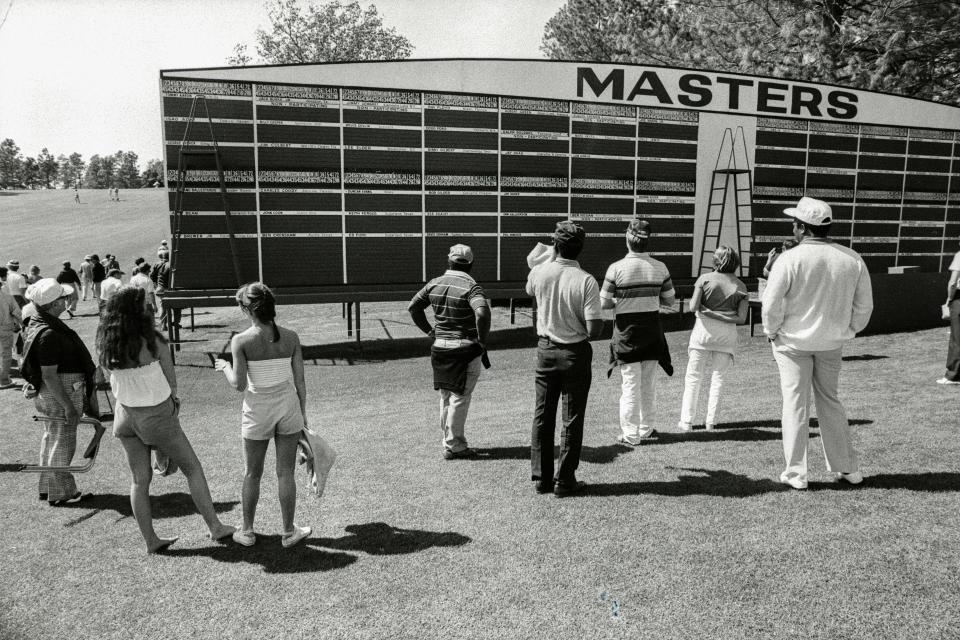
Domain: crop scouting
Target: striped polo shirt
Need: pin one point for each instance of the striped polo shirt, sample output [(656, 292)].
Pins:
[(638, 284), (453, 296)]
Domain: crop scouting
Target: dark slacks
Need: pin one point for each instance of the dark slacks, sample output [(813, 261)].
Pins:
[(562, 370), (953, 350)]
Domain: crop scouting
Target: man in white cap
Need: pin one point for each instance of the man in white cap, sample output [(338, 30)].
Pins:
[(462, 322), (817, 298)]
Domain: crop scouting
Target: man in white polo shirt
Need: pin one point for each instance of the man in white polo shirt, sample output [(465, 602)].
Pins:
[(568, 315), (817, 298), (109, 287)]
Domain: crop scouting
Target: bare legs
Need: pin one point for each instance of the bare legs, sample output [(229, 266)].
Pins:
[(255, 451), (179, 450)]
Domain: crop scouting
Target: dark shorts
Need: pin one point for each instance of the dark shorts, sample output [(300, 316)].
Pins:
[(152, 425)]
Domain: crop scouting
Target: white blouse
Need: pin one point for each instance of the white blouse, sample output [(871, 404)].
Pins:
[(144, 386)]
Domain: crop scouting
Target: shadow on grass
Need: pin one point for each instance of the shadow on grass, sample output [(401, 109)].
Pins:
[(775, 424), (271, 555), (374, 538), (164, 505), (865, 356), (596, 455), (382, 539), (706, 482), (932, 482)]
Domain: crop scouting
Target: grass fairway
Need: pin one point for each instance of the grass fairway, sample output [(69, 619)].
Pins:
[(47, 227), (690, 537)]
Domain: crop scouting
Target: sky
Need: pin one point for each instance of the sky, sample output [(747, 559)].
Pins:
[(83, 75)]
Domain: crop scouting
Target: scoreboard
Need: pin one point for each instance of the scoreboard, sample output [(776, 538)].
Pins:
[(363, 174)]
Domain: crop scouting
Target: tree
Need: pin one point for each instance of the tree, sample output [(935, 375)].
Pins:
[(91, 178), (47, 166), (106, 174), (10, 164), (30, 173), (153, 174), (128, 175), (71, 170), (330, 32), (900, 46)]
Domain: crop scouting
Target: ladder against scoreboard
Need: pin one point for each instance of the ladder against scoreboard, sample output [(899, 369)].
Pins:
[(729, 211)]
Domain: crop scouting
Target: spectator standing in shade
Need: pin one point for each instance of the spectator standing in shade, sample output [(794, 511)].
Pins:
[(635, 287), (818, 297), (16, 283), (462, 321), (99, 275), (33, 275), (141, 280), (568, 304), (10, 325), (86, 276), (720, 302), (110, 287), (775, 253), (110, 262), (68, 276), (952, 374)]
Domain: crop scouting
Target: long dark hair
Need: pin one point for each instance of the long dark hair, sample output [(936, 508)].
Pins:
[(125, 326), (257, 298)]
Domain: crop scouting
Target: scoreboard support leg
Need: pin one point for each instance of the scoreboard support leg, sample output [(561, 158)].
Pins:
[(513, 310), (358, 323), (192, 325), (349, 315)]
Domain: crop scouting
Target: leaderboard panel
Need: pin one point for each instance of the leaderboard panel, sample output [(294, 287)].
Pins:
[(330, 186), (893, 190)]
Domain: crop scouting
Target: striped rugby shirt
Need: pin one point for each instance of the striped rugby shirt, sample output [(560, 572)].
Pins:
[(454, 296), (638, 284)]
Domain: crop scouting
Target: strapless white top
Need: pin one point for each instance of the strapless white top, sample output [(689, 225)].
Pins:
[(262, 374), (144, 386)]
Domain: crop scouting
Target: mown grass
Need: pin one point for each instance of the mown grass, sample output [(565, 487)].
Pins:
[(47, 227), (690, 537)]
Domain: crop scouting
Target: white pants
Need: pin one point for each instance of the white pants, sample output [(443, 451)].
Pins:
[(454, 407), (638, 396), (819, 371), (700, 361)]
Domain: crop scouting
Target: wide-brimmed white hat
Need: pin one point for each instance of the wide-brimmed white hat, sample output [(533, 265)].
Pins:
[(46, 290), (811, 211)]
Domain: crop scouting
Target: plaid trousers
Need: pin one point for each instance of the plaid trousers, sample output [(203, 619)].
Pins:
[(59, 442)]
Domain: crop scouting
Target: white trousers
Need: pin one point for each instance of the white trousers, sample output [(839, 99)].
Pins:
[(800, 373), (638, 396), (699, 362)]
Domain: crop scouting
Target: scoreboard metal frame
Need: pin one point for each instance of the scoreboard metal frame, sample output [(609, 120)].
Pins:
[(358, 176)]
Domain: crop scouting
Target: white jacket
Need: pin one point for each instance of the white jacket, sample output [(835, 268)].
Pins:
[(818, 296)]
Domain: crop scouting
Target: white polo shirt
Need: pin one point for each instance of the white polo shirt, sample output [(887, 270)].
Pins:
[(109, 288), (16, 283), (567, 296)]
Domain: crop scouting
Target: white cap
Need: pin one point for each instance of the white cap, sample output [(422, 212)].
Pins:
[(46, 290), (460, 254), (811, 211)]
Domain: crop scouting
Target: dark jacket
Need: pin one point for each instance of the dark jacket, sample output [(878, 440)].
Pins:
[(68, 276)]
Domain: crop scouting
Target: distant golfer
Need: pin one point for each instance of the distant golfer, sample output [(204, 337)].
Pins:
[(817, 298), (462, 322), (568, 303), (76, 195)]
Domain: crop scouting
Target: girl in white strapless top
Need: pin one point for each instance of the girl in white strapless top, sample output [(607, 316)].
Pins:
[(268, 368)]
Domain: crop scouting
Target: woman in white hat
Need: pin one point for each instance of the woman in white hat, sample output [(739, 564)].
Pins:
[(58, 365)]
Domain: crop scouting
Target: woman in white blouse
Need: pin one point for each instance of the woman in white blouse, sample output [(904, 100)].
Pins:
[(144, 382)]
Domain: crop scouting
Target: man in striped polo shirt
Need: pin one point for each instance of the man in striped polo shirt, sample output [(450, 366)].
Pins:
[(635, 287), (462, 319)]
